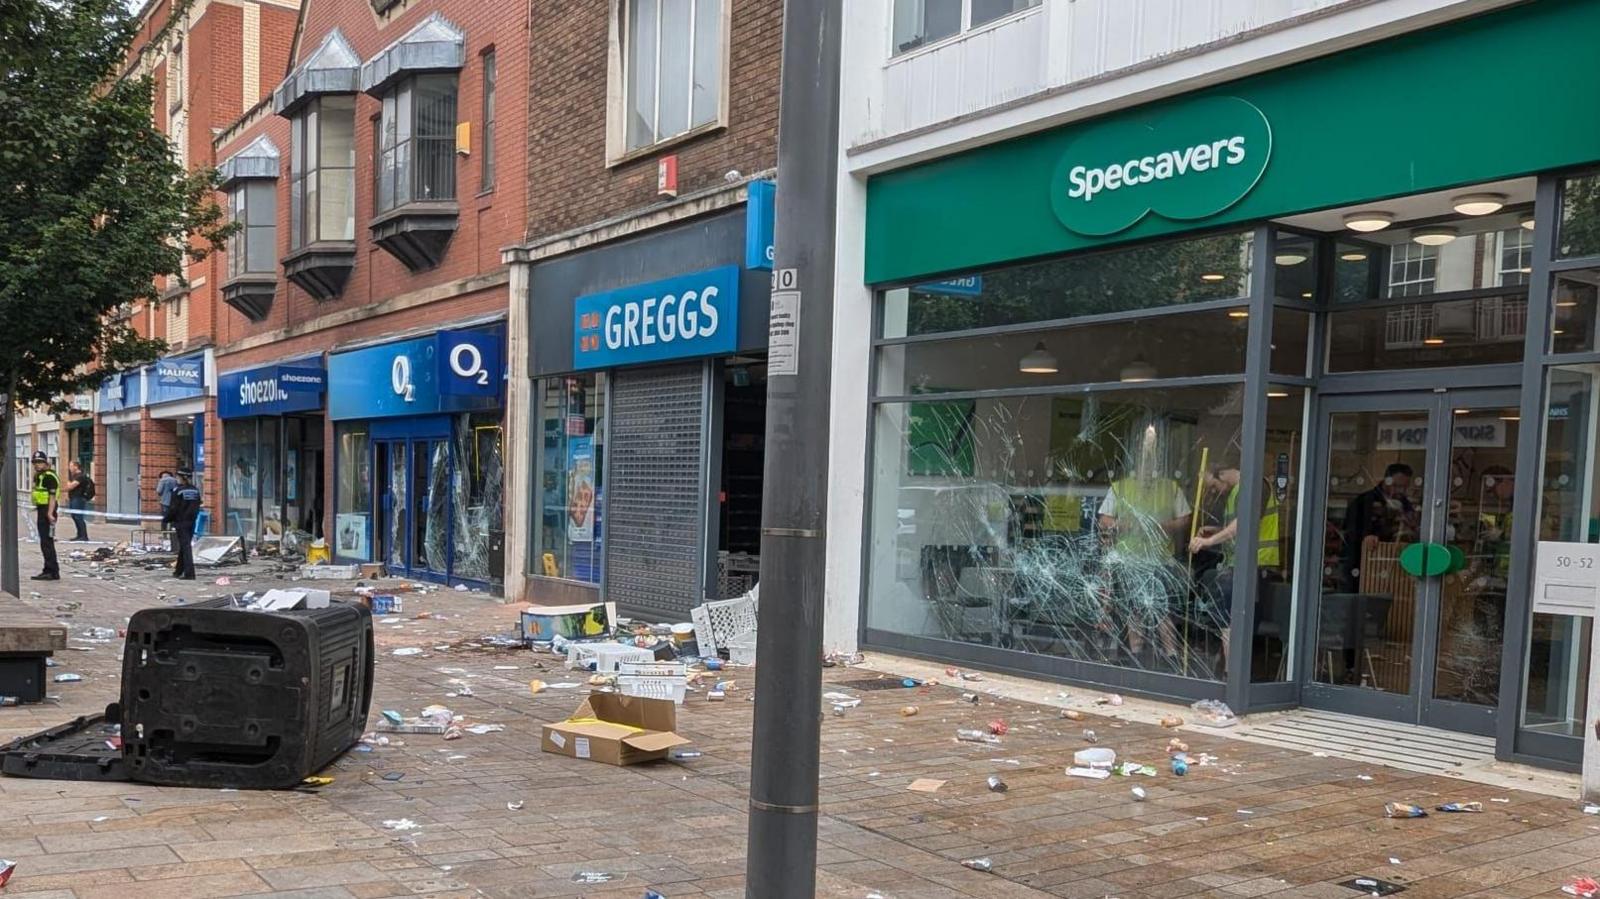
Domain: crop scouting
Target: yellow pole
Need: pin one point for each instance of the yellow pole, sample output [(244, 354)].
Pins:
[(1194, 528)]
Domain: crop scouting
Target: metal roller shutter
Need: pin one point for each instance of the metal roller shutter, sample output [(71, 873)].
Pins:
[(655, 499)]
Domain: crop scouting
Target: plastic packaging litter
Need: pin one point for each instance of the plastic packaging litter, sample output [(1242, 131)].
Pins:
[(67, 678), (1129, 769), (1072, 714), (1583, 888), (1460, 807), (1138, 794), (1403, 810), (996, 785), (999, 727), (978, 864), (713, 664), (1091, 736), (7, 866), (1171, 721), (1091, 773), (652, 894), (452, 733), (907, 711), (514, 806), (1180, 764), (1214, 713), (975, 736), (1177, 745), (1099, 757), (910, 682)]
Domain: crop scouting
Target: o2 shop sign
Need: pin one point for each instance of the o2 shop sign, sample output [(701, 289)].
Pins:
[(689, 315), (1191, 161), (465, 368)]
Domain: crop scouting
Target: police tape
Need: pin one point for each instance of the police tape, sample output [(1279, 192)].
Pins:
[(109, 516)]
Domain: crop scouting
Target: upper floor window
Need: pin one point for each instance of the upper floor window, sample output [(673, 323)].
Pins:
[(490, 77), (672, 56), (322, 168), (416, 152), (253, 248), (919, 22)]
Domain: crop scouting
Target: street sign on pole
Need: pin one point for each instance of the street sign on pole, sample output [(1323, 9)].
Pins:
[(782, 854)]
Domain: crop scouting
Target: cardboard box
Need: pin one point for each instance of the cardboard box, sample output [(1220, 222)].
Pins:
[(616, 730)]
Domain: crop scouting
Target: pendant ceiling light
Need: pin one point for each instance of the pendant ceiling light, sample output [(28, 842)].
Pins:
[(1527, 223), (1289, 257), (1371, 220), (1478, 204), (1138, 370), (1039, 361)]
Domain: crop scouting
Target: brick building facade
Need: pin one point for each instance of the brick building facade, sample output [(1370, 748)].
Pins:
[(653, 128), (208, 67), (405, 254)]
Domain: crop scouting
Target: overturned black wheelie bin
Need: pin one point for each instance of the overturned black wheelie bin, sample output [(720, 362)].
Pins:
[(214, 695)]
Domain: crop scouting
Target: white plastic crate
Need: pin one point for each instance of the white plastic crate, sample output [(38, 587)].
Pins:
[(607, 657), (654, 680), (742, 649), (717, 622)]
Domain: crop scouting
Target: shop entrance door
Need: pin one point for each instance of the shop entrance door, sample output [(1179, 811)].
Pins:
[(413, 515), (1415, 494)]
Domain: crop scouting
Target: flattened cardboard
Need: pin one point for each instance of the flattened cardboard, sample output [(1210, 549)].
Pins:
[(625, 730)]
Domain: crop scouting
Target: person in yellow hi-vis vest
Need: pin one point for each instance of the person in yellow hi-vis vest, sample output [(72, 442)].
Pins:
[(1139, 518), (1268, 554), (45, 487)]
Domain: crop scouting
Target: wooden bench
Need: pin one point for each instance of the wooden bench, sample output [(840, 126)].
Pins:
[(27, 639)]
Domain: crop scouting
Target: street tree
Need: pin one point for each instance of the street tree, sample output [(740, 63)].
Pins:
[(95, 206)]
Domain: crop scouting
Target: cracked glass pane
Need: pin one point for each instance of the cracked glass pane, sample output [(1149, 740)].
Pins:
[(477, 487), (397, 513), (1060, 525), (436, 520)]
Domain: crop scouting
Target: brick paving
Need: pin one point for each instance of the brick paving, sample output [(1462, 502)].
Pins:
[(1258, 821)]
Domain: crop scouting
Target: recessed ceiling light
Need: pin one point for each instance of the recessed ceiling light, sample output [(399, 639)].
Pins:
[(1510, 418), (1289, 257), (1238, 313), (1213, 276), (1435, 235), (1354, 256), (1306, 295), (1371, 220), (1527, 223), (1557, 331), (1277, 394), (1433, 341), (1566, 304), (1478, 204), (1462, 411), (1138, 370)]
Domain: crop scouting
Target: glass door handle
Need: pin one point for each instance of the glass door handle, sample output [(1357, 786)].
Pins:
[(1432, 559)]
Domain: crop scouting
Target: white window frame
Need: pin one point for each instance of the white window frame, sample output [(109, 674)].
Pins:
[(1411, 254), (895, 54), (617, 151), (1523, 247)]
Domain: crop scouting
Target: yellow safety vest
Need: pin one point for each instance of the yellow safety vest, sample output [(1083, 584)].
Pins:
[(1267, 555), (41, 493)]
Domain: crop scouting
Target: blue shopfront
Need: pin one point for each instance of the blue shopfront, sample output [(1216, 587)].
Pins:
[(650, 357), (167, 398), (417, 454), (272, 450)]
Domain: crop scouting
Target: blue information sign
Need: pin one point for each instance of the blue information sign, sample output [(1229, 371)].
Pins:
[(968, 286), (682, 317)]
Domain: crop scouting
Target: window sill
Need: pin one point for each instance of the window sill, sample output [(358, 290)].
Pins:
[(896, 58), (662, 146)]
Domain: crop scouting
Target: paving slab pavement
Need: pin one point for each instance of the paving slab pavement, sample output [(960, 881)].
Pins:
[(1259, 820)]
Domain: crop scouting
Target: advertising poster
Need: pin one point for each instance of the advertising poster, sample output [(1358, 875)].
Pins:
[(351, 528), (580, 490)]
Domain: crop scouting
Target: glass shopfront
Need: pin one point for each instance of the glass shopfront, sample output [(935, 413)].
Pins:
[(272, 451), (419, 468)]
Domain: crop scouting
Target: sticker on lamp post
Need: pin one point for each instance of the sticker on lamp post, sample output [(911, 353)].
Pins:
[(1191, 161)]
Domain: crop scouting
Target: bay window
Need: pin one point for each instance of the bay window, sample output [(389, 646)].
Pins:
[(253, 248), (322, 172), (416, 152)]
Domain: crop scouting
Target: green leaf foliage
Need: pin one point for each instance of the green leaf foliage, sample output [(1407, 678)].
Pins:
[(94, 206)]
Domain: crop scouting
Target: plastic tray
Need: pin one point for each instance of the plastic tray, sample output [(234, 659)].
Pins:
[(77, 750)]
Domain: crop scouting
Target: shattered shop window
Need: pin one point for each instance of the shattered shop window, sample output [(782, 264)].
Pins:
[(1066, 525), (479, 478)]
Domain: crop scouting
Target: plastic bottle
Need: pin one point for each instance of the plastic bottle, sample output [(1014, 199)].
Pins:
[(1180, 765)]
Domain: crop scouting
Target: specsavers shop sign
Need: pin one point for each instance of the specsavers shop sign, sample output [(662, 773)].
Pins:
[(1196, 160), (681, 317)]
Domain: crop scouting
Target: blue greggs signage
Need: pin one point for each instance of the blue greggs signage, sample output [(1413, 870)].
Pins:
[(682, 317), (451, 371), (760, 218), (271, 390)]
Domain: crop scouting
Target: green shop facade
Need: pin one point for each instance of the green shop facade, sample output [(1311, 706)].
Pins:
[(1282, 392)]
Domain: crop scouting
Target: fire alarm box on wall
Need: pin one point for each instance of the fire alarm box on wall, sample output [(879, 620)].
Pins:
[(667, 176)]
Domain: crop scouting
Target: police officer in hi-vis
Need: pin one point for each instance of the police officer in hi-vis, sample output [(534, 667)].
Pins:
[(45, 487)]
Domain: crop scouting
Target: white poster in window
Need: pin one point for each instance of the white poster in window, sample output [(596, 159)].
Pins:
[(351, 531)]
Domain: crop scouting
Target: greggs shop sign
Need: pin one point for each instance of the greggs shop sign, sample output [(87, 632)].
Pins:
[(677, 318)]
